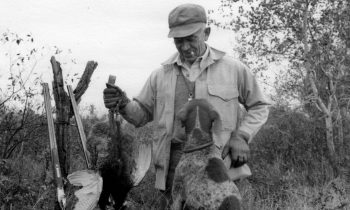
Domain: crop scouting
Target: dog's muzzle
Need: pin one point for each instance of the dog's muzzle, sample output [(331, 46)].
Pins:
[(197, 140)]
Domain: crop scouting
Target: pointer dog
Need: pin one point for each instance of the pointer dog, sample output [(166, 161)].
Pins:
[(201, 180)]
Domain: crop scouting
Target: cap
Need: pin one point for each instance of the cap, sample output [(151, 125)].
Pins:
[(186, 19)]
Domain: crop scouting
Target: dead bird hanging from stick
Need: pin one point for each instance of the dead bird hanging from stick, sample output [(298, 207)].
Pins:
[(118, 160), (118, 167)]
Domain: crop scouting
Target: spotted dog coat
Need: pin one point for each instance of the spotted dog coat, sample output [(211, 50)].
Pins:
[(201, 180)]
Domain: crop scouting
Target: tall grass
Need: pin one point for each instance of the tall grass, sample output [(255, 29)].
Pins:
[(288, 161)]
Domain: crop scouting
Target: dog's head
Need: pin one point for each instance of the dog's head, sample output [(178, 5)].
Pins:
[(197, 116)]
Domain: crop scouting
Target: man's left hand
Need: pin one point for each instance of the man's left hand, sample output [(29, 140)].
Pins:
[(238, 149)]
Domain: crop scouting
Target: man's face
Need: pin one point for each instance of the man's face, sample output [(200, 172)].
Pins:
[(193, 46)]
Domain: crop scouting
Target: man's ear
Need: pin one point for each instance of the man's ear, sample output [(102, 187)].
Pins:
[(206, 33)]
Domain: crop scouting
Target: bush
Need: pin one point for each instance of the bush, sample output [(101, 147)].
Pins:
[(289, 165), (288, 161)]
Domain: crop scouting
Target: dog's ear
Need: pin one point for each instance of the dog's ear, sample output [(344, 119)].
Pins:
[(214, 115), (182, 115)]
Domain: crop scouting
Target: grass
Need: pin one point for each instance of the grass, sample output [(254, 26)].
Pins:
[(290, 172)]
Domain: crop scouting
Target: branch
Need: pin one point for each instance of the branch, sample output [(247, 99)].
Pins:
[(24, 112), (307, 65), (60, 95), (13, 147), (84, 81), (319, 101), (57, 83), (10, 139), (10, 96), (24, 138)]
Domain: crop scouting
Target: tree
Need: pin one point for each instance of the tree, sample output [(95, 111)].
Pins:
[(313, 37), (21, 117), (63, 107), (18, 120)]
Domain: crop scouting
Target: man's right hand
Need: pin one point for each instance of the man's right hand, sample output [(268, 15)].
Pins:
[(113, 95)]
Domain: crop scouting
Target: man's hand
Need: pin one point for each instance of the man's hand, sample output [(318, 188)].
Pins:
[(113, 95), (238, 149)]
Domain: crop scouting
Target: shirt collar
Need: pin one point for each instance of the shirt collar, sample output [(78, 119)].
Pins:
[(200, 59), (210, 56)]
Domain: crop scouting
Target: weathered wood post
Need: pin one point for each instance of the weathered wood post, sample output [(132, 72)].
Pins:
[(64, 109)]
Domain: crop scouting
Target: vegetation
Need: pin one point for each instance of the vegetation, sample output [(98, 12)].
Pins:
[(313, 39), (300, 157), (289, 164)]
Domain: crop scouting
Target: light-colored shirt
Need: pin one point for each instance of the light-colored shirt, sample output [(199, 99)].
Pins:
[(192, 72), (223, 81)]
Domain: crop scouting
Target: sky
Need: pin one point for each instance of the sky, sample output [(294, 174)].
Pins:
[(128, 38)]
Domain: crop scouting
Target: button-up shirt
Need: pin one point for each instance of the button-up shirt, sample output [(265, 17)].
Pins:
[(223, 81), (192, 72)]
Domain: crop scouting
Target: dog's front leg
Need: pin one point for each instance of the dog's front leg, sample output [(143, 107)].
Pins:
[(178, 192), (178, 203)]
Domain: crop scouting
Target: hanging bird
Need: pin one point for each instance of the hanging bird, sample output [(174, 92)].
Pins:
[(119, 163), (91, 183)]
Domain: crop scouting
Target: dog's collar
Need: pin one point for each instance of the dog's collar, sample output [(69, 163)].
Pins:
[(198, 148)]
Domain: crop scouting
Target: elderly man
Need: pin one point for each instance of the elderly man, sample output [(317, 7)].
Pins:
[(195, 71)]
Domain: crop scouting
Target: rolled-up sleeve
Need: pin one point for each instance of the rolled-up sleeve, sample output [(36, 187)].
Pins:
[(140, 110), (254, 101)]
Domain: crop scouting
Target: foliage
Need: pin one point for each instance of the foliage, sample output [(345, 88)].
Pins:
[(18, 128), (22, 82), (289, 154), (19, 120), (22, 180), (288, 163), (311, 39), (23, 129), (273, 32)]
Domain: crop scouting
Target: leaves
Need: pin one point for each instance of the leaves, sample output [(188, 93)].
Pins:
[(273, 31), (312, 39)]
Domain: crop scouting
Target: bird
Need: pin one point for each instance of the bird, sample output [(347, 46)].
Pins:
[(119, 163)]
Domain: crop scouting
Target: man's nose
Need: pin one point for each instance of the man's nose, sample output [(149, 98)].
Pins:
[(185, 46)]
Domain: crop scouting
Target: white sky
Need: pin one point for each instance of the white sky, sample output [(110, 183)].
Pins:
[(128, 38)]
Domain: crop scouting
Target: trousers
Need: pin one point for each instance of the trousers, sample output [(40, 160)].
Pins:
[(175, 156)]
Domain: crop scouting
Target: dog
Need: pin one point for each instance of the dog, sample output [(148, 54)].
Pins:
[(201, 180)]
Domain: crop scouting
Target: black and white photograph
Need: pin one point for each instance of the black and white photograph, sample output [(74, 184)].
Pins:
[(175, 105)]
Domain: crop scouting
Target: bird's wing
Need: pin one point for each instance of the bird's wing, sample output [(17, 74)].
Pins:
[(89, 195), (143, 161), (82, 177)]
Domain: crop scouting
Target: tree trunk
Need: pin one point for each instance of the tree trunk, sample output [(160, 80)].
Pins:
[(64, 110), (62, 116), (319, 103), (340, 134), (330, 144), (20, 153)]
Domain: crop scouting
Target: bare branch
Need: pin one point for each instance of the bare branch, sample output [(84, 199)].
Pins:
[(84, 81)]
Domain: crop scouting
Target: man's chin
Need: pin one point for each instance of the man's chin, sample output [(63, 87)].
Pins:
[(190, 59)]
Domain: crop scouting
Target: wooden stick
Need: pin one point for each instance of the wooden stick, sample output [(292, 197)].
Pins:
[(53, 146), (111, 80), (80, 126)]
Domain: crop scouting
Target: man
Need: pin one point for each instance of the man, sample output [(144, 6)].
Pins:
[(195, 71)]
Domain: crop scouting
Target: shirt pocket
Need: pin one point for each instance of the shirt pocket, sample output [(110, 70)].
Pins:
[(224, 98), (225, 92)]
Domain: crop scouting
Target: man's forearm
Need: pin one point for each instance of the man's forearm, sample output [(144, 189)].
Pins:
[(135, 113), (253, 120)]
